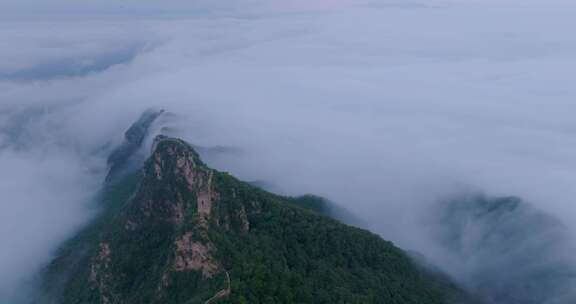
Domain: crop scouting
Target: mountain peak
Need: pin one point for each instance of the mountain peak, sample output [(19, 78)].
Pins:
[(170, 148), (174, 164), (190, 234)]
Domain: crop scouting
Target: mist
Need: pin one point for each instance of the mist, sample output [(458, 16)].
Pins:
[(381, 107)]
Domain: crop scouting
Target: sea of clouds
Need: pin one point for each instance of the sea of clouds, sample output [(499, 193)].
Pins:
[(380, 106)]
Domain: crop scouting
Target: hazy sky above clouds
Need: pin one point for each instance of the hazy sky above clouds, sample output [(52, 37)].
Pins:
[(102, 5), (379, 106)]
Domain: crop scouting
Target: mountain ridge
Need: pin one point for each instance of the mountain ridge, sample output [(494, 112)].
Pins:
[(187, 233)]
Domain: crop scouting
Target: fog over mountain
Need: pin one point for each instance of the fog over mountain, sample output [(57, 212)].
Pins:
[(385, 108)]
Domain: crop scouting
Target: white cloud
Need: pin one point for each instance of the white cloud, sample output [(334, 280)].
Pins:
[(379, 107)]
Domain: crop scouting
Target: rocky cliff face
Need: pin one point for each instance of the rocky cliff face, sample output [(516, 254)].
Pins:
[(181, 232), (168, 215)]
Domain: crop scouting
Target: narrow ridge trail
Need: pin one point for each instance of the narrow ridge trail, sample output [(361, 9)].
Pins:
[(222, 293)]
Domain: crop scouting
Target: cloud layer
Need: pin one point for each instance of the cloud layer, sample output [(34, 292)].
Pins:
[(379, 107)]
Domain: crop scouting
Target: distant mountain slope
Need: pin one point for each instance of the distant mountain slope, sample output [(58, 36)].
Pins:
[(506, 250), (184, 233), (125, 157), (323, 206)]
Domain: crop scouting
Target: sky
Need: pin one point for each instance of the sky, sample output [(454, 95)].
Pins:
[(382, 107), (99, 7)]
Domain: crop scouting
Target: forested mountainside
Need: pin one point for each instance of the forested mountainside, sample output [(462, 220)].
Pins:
[(177, 231)]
